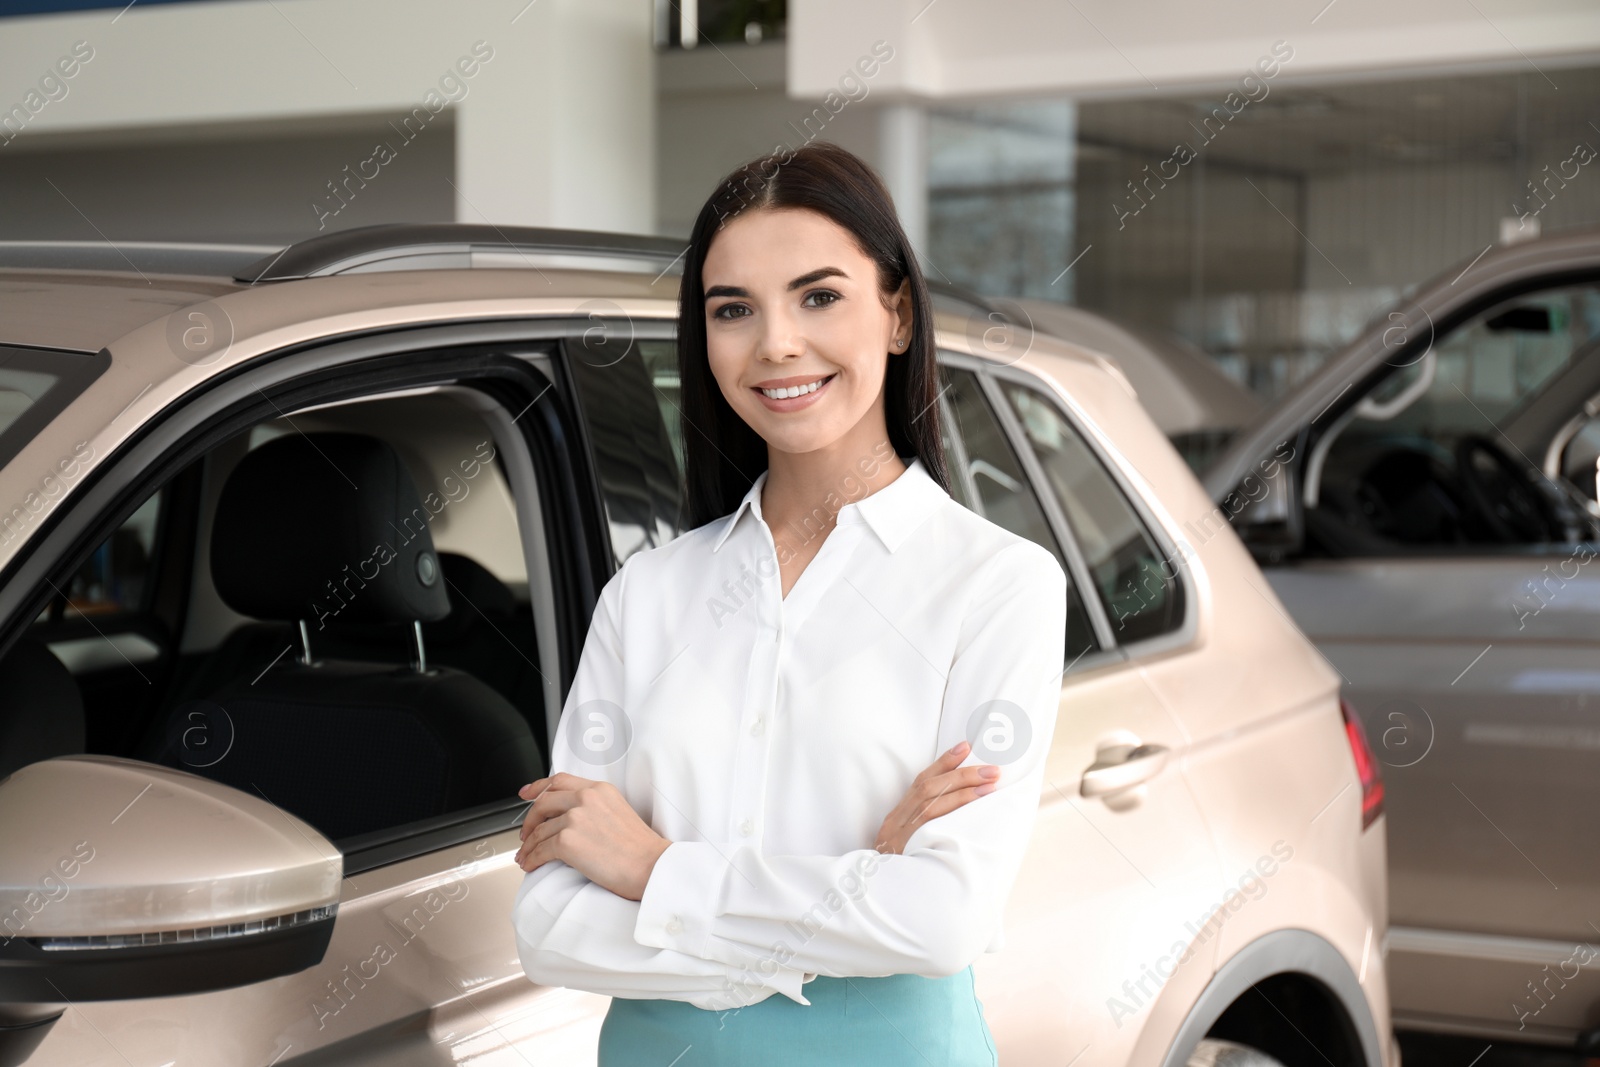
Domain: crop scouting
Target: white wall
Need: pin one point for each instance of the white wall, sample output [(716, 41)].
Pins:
[(557, 127)]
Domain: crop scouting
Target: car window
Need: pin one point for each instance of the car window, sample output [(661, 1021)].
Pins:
[(1490, 368), (995, 485), (1137, 585), (661, 360), (1429, 458), (113, 580), (462, 725), (987, 477), (629, 404)]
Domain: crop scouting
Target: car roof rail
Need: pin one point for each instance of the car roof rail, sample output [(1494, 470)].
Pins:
[(456, 245), (154, 257)]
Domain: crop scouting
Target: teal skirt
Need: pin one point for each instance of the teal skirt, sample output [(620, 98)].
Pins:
[(898, 1019)]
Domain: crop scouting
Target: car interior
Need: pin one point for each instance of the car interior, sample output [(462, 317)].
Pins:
[(414, 692), (1448, 452)]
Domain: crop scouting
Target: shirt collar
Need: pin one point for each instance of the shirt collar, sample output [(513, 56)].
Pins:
[(892, 512)]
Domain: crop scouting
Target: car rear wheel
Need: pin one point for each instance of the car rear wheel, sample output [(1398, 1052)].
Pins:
[(1212, 1052)]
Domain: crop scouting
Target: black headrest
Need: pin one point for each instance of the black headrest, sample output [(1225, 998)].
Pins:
[(325, 527)]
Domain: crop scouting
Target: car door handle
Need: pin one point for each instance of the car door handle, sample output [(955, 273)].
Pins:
[(1126, 768)]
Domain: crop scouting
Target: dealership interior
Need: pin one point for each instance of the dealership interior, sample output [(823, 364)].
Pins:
[(1231, 196)]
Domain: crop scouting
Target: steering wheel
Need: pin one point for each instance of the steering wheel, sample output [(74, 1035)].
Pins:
[(1513, 509)]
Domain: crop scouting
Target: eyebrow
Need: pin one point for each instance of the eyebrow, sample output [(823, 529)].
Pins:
[(804, 280)]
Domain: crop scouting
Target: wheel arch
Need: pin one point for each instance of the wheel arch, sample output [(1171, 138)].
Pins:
[(1288, 955)]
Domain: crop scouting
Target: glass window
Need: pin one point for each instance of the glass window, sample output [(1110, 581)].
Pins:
[(987, 477), (661, 360), (112, 581), (630, 404), (376, 718), (1136, 583), (1490, 369), (1431, 457), (34, 386), (1003, 493)]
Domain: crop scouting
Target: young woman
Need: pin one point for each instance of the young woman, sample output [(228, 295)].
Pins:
[(743, 840)]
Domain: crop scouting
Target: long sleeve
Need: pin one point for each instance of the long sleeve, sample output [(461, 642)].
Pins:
[(573, 933), (935, 908)]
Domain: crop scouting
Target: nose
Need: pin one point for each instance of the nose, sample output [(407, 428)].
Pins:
[(781, 337)]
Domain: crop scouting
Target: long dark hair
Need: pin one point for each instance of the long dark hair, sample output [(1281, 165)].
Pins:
[(723, 455)]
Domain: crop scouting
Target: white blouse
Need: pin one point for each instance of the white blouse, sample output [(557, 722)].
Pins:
[(767, 737)]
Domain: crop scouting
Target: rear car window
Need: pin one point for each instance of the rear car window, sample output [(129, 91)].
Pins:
[(1137, 584)]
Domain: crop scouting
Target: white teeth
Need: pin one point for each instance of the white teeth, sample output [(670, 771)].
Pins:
[(794, 390)]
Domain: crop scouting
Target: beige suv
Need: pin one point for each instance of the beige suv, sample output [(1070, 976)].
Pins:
[(297, 553)]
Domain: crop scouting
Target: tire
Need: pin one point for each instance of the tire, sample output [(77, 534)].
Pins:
[(1212, 1052)]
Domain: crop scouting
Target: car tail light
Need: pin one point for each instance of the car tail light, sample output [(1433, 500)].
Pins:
[(1366, 766)]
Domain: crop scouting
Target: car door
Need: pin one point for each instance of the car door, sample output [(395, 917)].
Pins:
[(1474, 666), (1097, 950), (422, 964)]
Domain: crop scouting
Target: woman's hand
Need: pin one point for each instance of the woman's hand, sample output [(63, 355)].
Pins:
[(940, 789), (589, 826)]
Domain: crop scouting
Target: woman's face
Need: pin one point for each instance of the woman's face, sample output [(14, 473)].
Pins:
[(792, 301)]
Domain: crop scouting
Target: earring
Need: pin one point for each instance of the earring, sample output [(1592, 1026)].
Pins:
[(900, 344)]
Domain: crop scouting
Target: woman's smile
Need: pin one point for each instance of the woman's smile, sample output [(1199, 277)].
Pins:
[(792, 394)]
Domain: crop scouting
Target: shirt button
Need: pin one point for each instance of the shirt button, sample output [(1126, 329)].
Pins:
[(759, 728), (746, 827), (674, 927)]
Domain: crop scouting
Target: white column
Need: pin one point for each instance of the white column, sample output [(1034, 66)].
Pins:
[(903, 162), (567, 136)]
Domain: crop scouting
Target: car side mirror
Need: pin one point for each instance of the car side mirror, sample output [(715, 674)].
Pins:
[(122, 879)]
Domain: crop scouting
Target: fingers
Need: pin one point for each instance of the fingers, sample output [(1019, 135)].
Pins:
[(953, 799), (548, 804), (559, 780), (949, 761), (968, 782), (933, 795), (539, 846)]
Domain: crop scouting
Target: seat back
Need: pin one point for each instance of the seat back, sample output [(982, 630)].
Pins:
[(327, 530)]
